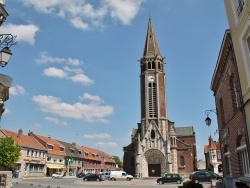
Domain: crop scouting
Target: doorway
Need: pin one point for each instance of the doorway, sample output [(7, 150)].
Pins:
[(154, 170)]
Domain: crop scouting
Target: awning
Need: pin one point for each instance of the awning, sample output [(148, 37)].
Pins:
[(55, 166)]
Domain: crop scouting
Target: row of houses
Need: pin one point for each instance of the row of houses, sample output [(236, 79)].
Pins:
[(42, 156)]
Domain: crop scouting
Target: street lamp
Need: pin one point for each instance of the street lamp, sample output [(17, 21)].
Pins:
[(208, 119), (6, 41)]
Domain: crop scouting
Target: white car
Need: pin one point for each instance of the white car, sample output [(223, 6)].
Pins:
[(57, 175)]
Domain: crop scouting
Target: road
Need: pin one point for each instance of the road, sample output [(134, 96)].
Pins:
[(74, 182)]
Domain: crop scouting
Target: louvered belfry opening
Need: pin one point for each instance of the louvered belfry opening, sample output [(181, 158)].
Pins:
[(152, 100)]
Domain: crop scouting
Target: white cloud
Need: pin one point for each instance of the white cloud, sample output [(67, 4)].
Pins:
[(107, 144), (73, 74), (45, 59), (97, 136), (81, 78), (123, 10), (85, 16), (55, 120), (78, 23), (54, 72), (17, 90), (24, 33), (91, 112), (91, 98)]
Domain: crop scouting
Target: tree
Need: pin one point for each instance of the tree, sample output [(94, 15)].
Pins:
[(118, 161), (9, 152)]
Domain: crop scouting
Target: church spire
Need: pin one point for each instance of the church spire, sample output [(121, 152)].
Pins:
[(151, 46)]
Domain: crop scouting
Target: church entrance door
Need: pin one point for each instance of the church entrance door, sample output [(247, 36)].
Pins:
[(154, 170)]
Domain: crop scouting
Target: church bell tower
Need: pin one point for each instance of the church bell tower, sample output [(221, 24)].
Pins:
[(153, 86), (153, 143)]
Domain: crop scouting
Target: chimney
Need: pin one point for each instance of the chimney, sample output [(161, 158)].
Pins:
[(20, 133), (30, 133), (74, 144)]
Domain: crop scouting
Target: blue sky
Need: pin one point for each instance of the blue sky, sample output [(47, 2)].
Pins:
[(76, 73)]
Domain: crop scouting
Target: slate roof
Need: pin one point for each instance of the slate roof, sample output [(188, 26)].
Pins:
[(185, 131), (68, 147)]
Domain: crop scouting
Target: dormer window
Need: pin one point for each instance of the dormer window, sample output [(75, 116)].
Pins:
[(50, 147), (62, 149), (72, 150), (79, 152)]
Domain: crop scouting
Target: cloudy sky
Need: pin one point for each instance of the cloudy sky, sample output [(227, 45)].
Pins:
[(76, 74)]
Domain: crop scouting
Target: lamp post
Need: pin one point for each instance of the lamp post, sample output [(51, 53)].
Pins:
[(208, 119), (6, 41)]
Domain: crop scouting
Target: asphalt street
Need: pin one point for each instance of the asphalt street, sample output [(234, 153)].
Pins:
[(74, 182)]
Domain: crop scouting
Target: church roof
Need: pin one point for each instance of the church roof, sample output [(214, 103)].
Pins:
[(151, 45), (184, 131)]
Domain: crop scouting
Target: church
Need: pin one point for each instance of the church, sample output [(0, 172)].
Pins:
[(157, 146)]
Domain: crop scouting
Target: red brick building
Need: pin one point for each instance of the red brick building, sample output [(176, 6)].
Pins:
[(231, 120), (186, 149)]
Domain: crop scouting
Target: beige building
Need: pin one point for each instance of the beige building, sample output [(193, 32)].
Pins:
[(32, 156), (239, 22)]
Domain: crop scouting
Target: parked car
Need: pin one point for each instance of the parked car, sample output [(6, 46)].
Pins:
[(57, 175), (105, 174), (120, 175), (93, 177), (170, 177), (80, 175), (204, 176)]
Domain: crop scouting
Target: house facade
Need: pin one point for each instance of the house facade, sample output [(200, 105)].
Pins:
[(55, 161), (230, 115), (32, 157), (212, 154), (96, 161), (74, 158), (153, 150)]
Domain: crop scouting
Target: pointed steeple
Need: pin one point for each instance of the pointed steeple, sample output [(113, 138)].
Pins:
[(151, 46)]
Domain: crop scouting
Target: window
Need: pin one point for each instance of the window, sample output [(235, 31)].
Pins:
[(182, 161), (234, 92), (79, 152), (152, 100), (62, 149), (48, 158), (152, 134), (28, 152), (228, 161), (219, 154), (244, 159), (72, 151), (240, 6), (222, 112), (50, 147)]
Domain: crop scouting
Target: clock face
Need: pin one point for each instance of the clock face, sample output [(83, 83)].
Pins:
[(151, 78)]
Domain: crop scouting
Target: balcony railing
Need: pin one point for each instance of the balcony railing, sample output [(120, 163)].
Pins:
[(240, 7)]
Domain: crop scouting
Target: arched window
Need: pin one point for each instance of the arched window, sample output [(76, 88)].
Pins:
[(149, 65), (153, 65), (182, 161), (243, 155), (152, 134)]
